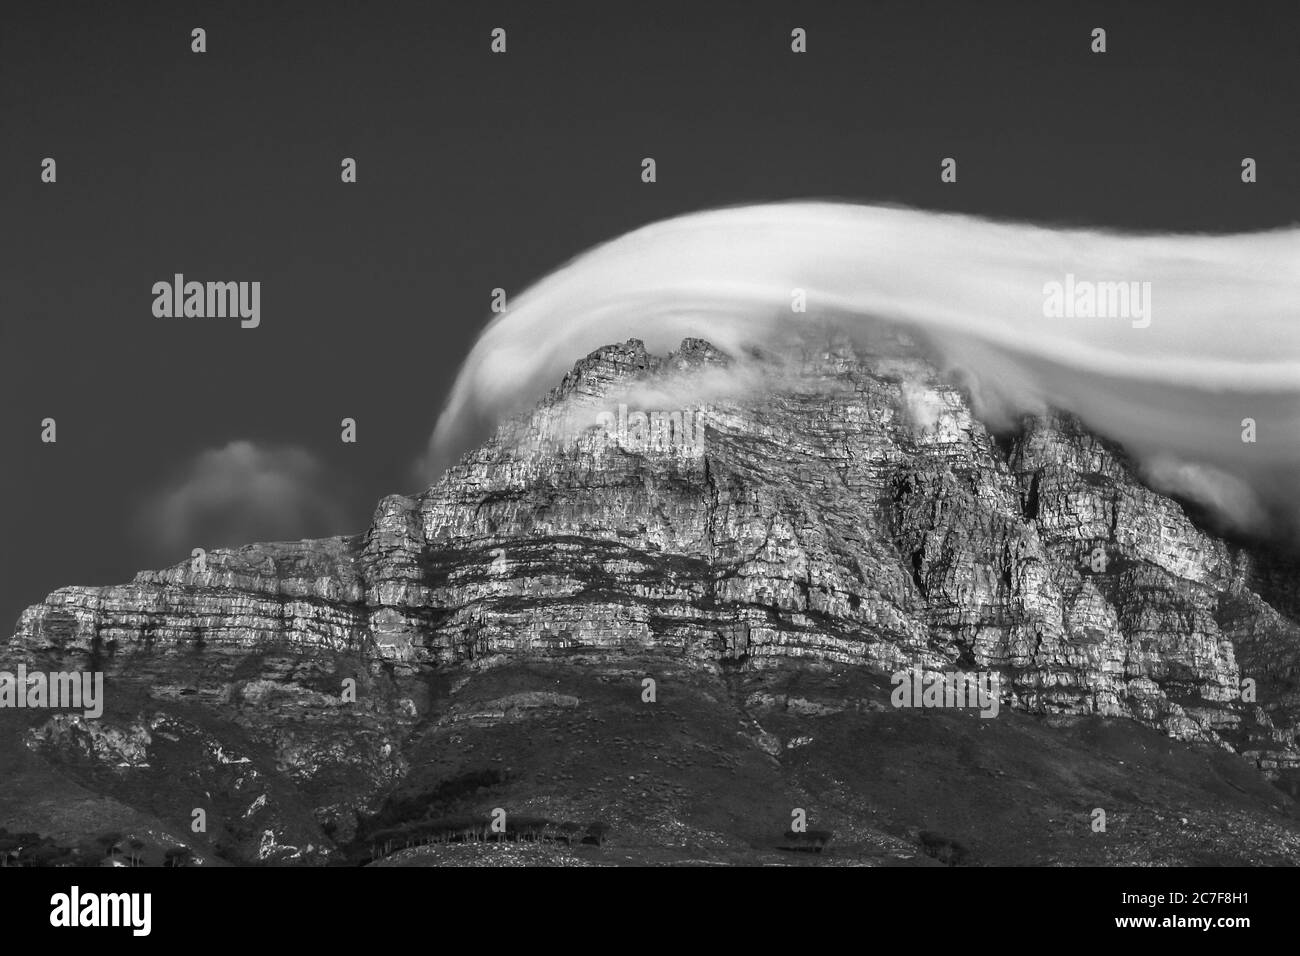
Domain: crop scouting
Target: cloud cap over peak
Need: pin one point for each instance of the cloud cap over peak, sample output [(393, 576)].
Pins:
[(1166, 343)]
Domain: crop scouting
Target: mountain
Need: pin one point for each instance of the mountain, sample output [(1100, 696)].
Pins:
[(673, 616)]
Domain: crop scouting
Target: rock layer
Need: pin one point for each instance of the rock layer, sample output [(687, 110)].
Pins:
[(856, 513)]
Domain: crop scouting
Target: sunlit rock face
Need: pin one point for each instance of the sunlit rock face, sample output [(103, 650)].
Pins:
[(855, 513)]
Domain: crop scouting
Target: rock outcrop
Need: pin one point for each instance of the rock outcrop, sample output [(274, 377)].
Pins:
[(856, 514)]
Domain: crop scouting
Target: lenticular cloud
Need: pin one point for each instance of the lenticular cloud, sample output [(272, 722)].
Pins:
[(1164, 343)]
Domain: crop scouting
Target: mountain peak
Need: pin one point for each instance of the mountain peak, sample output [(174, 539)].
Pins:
[(609, 364), (841, 512)]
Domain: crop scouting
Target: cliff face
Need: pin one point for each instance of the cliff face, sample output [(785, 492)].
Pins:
[(856, 515)]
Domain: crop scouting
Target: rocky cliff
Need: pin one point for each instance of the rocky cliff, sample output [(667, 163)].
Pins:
[(853, 517)]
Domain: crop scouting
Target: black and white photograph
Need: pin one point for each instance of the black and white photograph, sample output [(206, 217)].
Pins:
[(707, 437)]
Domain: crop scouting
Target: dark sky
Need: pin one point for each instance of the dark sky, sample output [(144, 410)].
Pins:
[(479, 170)]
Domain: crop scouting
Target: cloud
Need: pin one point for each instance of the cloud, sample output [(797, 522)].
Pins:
[(921, 406), (1224, 495), (1217, 338), (240, 493)]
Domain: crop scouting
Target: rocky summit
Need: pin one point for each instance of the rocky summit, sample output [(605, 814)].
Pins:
[(652, 620)]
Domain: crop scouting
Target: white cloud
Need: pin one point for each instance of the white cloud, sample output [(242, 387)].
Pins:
[(1228, 497), (1223, 342), (240, 493)]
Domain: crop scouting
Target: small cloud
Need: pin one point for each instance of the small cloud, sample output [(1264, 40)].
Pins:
[(921, 406), (241, 493), (1231, 499)]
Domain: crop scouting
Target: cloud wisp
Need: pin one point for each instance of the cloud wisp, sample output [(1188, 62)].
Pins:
[(239, 493)]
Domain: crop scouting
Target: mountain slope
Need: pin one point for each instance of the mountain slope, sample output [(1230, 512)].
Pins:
[(850, 521)]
